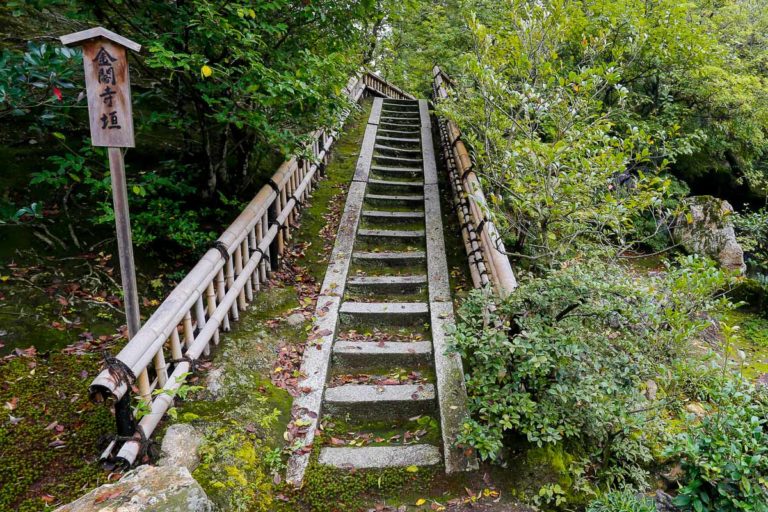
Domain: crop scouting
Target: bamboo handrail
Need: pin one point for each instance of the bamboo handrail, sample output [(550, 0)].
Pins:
[(218, 287), (488, 263)]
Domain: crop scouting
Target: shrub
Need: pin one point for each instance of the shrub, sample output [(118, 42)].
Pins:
[(567, 357), (622, 501), (725, 457)]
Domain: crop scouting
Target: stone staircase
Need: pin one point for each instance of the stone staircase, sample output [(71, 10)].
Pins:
[(384, 307)]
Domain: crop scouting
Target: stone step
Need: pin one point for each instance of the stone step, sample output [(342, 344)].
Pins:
[(384, 198), (383, 131), (402, 140), (368, 354), (396, 171), (384, 215), (402, 184), (405, 116), (398, 159), (387, 284), (380, 457), (390, 258), (393, 123), (364, 401), (394, 313), (391, 149), (392, 233)]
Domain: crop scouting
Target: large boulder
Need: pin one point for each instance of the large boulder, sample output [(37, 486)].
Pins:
[(705, 227), (179, 448), (147, 489)]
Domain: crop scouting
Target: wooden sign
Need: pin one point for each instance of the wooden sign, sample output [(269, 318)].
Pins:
[(107, 84)]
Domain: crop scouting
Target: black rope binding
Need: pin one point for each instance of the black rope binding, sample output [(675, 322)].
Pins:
[(274, 186), (466, 173), (118, 370), (480, 226), (222, 248), (145, 443), (264, 255), (186, 359)]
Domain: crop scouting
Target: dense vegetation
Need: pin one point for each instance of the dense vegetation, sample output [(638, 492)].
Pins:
[(587, 122), (222, 92)]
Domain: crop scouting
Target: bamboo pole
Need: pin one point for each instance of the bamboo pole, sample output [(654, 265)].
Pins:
[(490, 241)]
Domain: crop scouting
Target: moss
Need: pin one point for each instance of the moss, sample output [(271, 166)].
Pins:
[(328, 489), (752, 339), (52, 449), (232, 471)]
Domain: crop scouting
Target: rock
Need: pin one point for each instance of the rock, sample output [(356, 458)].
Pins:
[(180, 445), (148, 489), (674, 474), (706, 228), (696, 408), (296, 320), (214, 381), (762, 380), (664, 502), (651, 388)]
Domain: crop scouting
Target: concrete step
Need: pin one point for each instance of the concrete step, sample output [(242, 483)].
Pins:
[(385, 132), (407, 234), (398, 159), (390, 149), (404, 116), (384, 215), (380, 457), (397, 171), (387, 284), (370, 354), (417, 185), (390, 258), (397, 199), (364, 401), (393, 313), (393, 123), (399, 140)]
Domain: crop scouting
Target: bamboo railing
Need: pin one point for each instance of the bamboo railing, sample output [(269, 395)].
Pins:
[(378, 85), (157, 360), (488, 263)]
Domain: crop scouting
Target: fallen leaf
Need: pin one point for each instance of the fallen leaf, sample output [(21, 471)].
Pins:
[(11, 404), (108, 496)]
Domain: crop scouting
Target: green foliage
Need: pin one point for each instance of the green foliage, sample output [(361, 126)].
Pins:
[(725, 456), (752, 233), (565, 360), (224, 92), (420, 34), (622, 501), (560, 177), (29, 80)]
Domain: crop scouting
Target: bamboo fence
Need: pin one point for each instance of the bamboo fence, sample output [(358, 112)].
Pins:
[(157, 360), (488, 262)]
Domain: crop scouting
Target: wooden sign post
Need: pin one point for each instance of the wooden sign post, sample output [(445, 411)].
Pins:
[(108, 86)]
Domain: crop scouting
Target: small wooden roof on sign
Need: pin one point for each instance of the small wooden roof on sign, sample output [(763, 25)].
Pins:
[(77, 38)]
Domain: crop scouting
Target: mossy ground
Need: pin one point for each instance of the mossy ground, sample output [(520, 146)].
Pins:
[(50, 434), (752, 340)]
